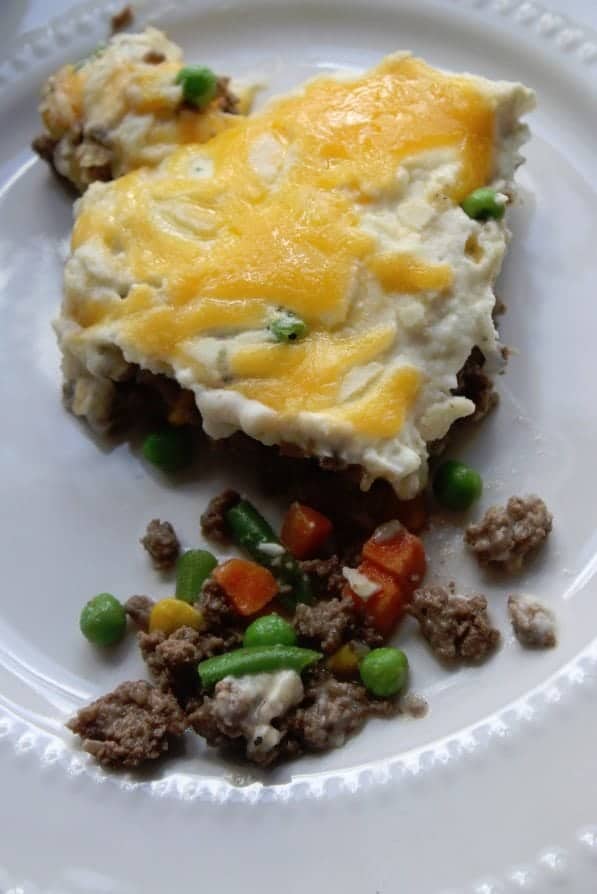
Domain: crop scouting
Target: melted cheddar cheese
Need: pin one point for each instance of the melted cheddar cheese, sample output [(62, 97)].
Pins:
[(271, 214)]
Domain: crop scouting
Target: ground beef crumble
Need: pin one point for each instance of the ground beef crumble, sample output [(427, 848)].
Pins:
[(161, 543), (172, 660), (506, 535), (216, 608), (331, 711), (330, 623), (213, 520), (130, 725), (138, 608), (122, 19), (533, 624), (326, 575), (474, 383), (456, 627)]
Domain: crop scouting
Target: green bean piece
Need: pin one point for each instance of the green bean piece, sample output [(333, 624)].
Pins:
[(254, 534), (269, 630), (170, 449), (287, 326), (484, 203), (249, 529), (199, 85), (384, 671), (192, 570), (256, 660)]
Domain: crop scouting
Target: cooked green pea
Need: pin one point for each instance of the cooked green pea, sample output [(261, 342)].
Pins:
[(457, 486), (257, 660), (199, 84), (103, 620), (288, 327), (484, 203), (192, 570), (269, 630), (169, 449), (384, 671)]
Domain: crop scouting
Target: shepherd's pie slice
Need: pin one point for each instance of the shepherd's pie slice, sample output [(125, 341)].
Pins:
[(308, 274)]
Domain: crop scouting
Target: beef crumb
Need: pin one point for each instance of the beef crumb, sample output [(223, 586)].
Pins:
[(138, 608), (326, 575), (154, 57), (533, 624), (130, 725), (331, 623), (226, 99), (161, 543), (506, 535), (213, 520), (218, 612), (122, 19), (456, 627), (236, 712), (475, 384), (332, 711), (329, 713), (172, 659), (101, 172), (45, 145)]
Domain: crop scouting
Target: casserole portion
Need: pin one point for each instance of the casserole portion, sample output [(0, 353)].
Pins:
[(309, 276)]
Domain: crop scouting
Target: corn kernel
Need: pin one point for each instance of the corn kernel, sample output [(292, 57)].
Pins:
[(345, 662), (170, 614)]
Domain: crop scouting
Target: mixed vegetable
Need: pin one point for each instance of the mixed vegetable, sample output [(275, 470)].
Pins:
[(199, 85), (192, 570), (170, 449), (255, 535), (279, 621), (456, 486), (288, 327), (393, 564), (255, 660), (103, 620), (485, 204)]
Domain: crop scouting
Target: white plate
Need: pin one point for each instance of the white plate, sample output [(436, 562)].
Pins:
[(495, 790)]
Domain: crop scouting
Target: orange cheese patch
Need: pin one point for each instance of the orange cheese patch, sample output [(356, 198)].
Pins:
[(268, 214)]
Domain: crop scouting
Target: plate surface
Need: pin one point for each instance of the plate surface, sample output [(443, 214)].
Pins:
[(495, 789)]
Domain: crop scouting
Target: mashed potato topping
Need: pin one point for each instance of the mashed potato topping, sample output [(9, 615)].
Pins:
[(339, 203)]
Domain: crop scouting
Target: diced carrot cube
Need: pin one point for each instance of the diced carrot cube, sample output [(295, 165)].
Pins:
[(304, 531), (385, 607), (249, 586), (398, 552)]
